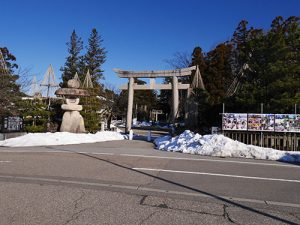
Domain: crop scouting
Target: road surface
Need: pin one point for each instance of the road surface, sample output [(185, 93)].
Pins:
[(129, 182)]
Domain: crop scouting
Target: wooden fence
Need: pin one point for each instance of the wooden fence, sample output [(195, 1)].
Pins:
[(280, 141)]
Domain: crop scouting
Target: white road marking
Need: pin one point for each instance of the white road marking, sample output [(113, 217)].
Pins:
[(210, 160), (97, 153), (5, 161), (143, 189), (216, 174), (25, 151)]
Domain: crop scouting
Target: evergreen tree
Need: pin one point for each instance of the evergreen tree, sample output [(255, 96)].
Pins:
[(35, 115), (273, 77), (198, 59), (9, 59), (9, 89), (240, 51), (73, 62), (283, 69), (246, 59), (95, 57), (218, 73), (92, 62)]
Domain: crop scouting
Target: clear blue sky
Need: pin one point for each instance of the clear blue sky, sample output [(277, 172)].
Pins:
[(138, 34)]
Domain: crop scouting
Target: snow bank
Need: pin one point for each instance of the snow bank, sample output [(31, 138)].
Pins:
[(60, 138), (221, 146), (142, 124)]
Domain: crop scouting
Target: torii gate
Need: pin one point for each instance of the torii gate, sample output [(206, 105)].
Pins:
[(174, 86)]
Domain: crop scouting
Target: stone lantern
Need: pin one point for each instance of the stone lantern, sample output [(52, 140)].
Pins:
[(72, 120)]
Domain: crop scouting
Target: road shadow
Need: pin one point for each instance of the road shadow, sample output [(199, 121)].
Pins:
[(184, 186), (291, 158)]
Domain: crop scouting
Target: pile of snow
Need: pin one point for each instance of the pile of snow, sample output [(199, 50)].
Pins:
[(221, 146), (115, 128), (60, 138), (117, 123), (142, 124)]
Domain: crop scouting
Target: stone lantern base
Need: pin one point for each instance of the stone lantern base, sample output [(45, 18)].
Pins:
[(72, 122)]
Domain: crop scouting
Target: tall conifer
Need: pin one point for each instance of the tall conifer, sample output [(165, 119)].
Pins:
[(95, 57), (9, 89), (72, 64)]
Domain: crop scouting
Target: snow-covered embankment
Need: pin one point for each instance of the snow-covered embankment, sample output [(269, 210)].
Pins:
[(60, 138), (221, 146)]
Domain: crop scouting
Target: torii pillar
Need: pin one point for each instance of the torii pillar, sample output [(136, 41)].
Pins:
[(175, 99), (129, 104)]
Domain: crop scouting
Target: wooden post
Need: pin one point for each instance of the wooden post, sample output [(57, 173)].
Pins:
[(130, 104), (175, 98)]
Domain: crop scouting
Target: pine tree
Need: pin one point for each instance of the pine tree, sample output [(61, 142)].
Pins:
[(273, 77), (91, 63), (73, 62), (35, 114), (95, 57), (9, 59), (283, 67), (9, 89)]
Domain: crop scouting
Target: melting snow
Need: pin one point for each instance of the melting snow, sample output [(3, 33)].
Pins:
[(221, 146), (187, 142), (60, 138)]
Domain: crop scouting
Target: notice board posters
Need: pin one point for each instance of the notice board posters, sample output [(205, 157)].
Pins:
[(296, 124), (234, 121), (287, 122), (261, 122)]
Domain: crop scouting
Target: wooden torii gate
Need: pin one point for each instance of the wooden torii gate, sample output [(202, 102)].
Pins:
[(174, 86)]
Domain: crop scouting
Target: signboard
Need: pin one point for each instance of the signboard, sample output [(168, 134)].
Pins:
[(234, 121), (254, 122), (287, 122), (296, 124), (12, 123), (261, 122), (268, 122)]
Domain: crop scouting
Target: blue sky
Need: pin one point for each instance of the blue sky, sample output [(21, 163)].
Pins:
[(138, 35)]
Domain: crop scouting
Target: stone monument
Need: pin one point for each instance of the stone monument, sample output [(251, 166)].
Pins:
[(72, 120)]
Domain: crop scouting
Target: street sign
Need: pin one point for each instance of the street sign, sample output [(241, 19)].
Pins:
[(12, 124)]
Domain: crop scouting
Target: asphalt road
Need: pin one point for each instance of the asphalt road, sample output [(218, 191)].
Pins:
[(128, 182)]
